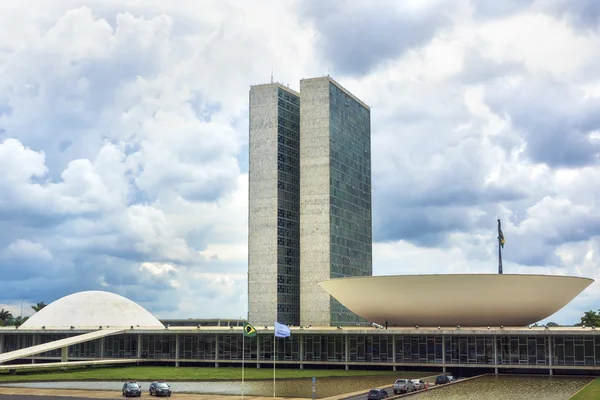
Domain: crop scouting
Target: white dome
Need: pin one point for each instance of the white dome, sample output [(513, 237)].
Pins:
[(92, 309)]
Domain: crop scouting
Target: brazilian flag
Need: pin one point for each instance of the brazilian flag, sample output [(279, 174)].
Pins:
[(501, 238), (249, 330)]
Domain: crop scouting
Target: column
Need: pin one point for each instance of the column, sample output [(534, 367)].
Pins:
[(495, 355), (1, 344), (139, 345), (443, 353), (33, 343), (301, 341), (394, 351), (102, 348), (550, 354), (257, 351), (177, 350), (217, 350), (347, 350), (64, 354)]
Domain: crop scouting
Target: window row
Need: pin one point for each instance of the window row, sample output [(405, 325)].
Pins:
[(480, 350)]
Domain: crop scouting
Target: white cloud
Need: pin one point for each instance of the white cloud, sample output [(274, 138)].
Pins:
[(123, 141), (26, 250)]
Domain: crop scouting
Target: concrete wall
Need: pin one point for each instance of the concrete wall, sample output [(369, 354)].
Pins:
[(262, 218), (314, 201)]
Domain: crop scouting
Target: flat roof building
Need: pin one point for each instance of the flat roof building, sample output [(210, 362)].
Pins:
[(67, 339)]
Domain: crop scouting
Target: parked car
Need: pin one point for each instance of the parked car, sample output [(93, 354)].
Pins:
[(441, 380), (377, 394), (418, 384), (403, 386), (132, 389), (159, 389), (451, 378)]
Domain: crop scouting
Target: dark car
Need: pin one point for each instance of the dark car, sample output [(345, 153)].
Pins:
[(160, 388), (377, 394), (132, 389), (441, 380)]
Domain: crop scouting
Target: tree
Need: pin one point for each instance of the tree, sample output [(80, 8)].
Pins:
[(590, 318), (552, 324), (5, 315), (15, 321), (39, 306)]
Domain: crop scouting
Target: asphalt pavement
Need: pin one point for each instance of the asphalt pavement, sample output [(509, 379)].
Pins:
[(34, 397), (364, 396), (389, 390)]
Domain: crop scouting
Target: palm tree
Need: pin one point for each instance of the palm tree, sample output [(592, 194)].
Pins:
[(18, 321), (590, 318), (5, 315), (39, 306)]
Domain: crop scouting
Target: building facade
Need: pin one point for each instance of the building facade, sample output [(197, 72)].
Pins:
[(556, 350), (274, 206), (309, 200), (335, 197)]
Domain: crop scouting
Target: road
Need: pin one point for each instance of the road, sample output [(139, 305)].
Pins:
[(364, 396), (34, 397)]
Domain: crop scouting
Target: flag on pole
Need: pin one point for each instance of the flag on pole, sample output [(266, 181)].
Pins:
[(282, 330), (501, 237), (249, 330)]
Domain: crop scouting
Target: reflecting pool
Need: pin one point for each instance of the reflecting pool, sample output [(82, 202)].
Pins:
[(508, 388), (487, 387), (301, 387)]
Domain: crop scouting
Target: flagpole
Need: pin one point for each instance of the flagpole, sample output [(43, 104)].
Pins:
[(274, 358), (243, 355), (499, 248)]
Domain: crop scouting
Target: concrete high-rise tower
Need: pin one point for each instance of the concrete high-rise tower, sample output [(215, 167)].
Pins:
[(335, 196), (274, 206), (309, 200)]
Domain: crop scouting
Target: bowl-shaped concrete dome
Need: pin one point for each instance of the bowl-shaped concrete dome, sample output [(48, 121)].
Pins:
[(461, 299), (92, 309)]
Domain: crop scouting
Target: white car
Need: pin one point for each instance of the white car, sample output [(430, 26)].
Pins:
[(418, 384), (403, 386)]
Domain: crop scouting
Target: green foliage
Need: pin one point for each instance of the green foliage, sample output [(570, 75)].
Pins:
[(590, 318), (5, 315), (190, 374), (15, 321), (39, 306)]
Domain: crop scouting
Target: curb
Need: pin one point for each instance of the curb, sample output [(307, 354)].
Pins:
[(366, 391)]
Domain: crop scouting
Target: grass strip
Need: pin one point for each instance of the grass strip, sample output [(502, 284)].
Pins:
[(591, 391), (149, 373)]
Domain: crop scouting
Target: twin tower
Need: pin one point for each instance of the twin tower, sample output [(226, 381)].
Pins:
[(309, 201)]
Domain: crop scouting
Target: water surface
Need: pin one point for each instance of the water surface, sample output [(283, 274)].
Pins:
[(508, 388), (301, 387)]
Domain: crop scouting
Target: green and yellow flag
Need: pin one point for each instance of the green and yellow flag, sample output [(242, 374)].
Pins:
[(249, 330), (500, 235)]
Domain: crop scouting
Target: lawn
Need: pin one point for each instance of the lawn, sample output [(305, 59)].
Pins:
[(590, 392), (148, 373)]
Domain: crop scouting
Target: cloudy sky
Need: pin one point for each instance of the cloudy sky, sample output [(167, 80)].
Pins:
[(124, 139)]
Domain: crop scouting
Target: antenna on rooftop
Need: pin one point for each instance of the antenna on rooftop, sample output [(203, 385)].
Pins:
[(271, 74)]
